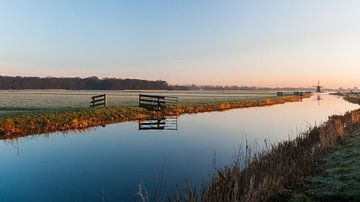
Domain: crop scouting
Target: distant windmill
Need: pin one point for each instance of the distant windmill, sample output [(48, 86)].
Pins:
[(318, 87)]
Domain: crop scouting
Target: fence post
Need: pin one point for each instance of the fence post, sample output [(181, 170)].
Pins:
[(105, 100), (158, 103)]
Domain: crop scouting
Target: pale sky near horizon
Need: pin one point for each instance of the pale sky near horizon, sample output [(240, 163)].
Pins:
[(230, 42)]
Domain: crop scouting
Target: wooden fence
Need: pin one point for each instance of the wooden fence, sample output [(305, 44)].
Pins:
[(280, 93), (98, 100), (155, 102)]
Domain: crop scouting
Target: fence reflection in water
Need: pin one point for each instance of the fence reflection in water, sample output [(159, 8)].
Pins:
[(162, 123)]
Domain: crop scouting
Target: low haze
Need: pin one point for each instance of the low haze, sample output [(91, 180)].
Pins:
[(254, 43)]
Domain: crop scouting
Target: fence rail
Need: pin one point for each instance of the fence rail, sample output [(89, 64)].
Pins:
[(280, 93), (98, 100), (156, 102)]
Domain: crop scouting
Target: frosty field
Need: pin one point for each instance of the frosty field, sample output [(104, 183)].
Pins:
[(25, 101)]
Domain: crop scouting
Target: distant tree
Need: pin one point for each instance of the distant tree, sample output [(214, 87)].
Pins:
[(95, 83), (90, 83)]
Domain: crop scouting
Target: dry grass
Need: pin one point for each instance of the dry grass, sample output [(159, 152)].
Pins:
[(281, 167), (221, 106)]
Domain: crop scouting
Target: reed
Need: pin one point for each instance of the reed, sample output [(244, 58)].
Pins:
[(221, 106), (285, 166)]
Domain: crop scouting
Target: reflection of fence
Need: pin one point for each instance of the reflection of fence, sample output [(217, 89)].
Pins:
[(155, 102), (163, 123), (98, 100)]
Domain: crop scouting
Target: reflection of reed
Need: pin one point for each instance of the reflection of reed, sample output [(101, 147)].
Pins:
[(14, 140), (161, 123), (28, 137)]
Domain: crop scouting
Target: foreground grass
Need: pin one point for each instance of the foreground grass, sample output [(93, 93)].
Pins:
[(277, 172), (338, 177), (79, 119)]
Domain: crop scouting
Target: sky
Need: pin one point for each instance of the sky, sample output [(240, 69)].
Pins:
[(277, 43)]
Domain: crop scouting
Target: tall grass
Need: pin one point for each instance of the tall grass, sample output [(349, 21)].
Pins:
[(221, 106), (278, 167)]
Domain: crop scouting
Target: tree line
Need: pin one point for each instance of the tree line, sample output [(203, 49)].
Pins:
[(90, 83), (95, 83)]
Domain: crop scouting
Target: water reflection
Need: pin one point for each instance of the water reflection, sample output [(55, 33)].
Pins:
[(162, 123), (318, 98), (108, 164)]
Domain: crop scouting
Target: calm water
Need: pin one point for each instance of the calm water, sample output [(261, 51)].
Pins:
[(109, 163)]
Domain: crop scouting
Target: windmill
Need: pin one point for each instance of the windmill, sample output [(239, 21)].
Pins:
[(318, 87)]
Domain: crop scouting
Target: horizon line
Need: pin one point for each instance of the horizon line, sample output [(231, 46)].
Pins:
[(188, 84)]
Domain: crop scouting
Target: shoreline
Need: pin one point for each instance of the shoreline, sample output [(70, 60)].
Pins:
[(350, 97), (279, 172), (81, 119)]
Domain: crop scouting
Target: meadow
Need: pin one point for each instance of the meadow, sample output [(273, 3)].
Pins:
[(25, 101)]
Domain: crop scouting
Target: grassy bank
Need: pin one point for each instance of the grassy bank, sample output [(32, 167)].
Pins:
[(338, 176), (275, 173), (73, 119), (350, 97), (354, 98)]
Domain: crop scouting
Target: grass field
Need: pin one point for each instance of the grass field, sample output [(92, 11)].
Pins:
[(25, 101)]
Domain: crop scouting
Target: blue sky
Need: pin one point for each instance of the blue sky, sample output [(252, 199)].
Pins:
[(230, 42)]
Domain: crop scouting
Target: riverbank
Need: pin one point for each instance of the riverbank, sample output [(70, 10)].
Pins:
[(350, 97), (353, 98), (80, 119), (279, 171), (338, 176)]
